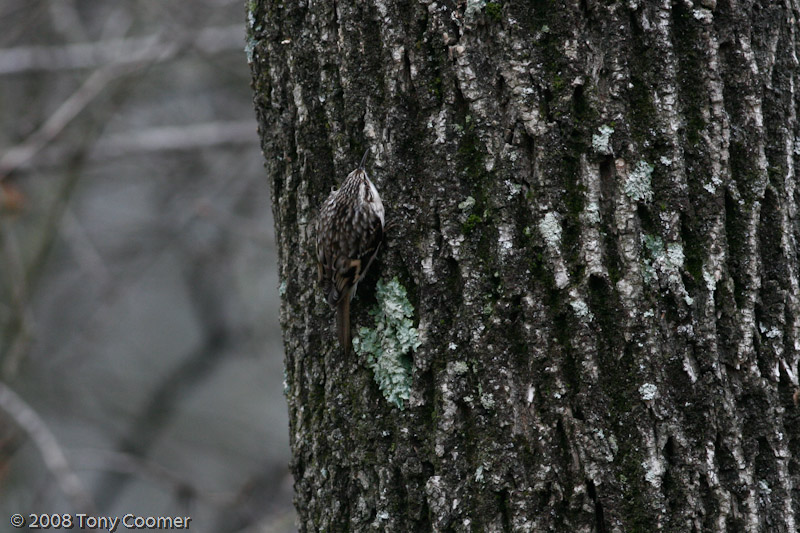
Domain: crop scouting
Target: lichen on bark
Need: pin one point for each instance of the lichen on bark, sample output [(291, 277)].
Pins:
[(388, 346)]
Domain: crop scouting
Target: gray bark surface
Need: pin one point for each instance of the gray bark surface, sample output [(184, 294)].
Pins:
[(595, 218)]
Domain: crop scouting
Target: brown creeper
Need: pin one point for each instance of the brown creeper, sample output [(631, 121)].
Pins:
[(349, 233)]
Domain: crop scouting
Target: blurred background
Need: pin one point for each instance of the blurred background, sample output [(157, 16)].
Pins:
[(140, 353)]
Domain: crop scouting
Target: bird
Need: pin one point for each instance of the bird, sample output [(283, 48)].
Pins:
[(349, 234)]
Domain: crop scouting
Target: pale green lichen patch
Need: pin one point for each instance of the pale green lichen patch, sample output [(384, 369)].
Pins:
[(648, 391), (580, 308), (637, 186), (660, 258), (655, 249), (664, 262), (592, 213), (467, 204), (248, 49), (251, 28), (674, 255), (251, 18), (387, 347), (550, 228), (460, 367), (601, 141), (653, 244), (653, 471), (666, 259), (474, 6), (487, 400)]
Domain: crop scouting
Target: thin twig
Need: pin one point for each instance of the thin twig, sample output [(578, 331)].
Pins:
[(85, 252), (69, 109), (196, 136), (21, 329), (123, 283), (51, 452), (190, 137), (22, 278), (126, 463), (66, 20), (22, 153), (119, 51)]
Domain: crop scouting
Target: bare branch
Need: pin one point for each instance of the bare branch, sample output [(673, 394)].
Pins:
[(22, 331), (118, 51), (66, 20), (151, 140), (193, 136), (126, 463), (69, 109), (86, 254), (51, 452)]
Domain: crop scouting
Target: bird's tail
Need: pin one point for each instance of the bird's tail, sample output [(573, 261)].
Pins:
[(343, 323)]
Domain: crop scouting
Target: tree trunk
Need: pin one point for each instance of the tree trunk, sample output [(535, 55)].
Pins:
[(593, 210)]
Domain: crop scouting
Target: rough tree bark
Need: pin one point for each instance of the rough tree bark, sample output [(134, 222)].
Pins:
[(595, 219)]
